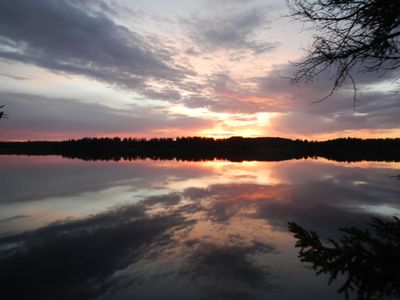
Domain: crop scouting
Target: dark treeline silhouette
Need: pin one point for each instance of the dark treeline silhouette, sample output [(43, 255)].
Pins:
[(367, 259), (200, 148)]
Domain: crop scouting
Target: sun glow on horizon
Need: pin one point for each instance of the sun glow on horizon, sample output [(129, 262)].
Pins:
[(256, 125)]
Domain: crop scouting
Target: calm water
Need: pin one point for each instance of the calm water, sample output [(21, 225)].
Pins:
[(71, 229)]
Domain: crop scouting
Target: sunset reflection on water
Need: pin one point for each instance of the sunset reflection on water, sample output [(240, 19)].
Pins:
[(213, 229)]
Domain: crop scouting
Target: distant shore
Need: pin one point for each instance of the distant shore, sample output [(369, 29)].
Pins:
[(199, 148)]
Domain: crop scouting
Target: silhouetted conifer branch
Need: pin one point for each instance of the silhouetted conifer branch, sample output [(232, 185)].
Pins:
[(368, 259)]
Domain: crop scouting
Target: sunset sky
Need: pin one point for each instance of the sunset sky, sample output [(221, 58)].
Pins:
[(157, 68)]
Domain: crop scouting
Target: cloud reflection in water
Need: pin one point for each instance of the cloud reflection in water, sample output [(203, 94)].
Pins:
[(194, 238)]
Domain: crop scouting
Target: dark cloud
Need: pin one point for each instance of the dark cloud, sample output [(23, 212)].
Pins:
[(39, 115), (13, 218), (165, 94), (371, 114), (230, 2), (231, 30), (110, 8), (192, 51), (222, 93), (64, 37), (376, 108), (14, 77), (164, 200), (88, 38)]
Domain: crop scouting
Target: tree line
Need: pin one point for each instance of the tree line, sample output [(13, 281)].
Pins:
[(202, 148)]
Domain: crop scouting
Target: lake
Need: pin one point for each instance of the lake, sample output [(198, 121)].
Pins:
[(147, 229)]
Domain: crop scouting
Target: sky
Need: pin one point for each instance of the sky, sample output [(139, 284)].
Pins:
[(157, 68)]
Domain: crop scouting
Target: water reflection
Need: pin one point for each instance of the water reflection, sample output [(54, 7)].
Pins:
[(210, 230)]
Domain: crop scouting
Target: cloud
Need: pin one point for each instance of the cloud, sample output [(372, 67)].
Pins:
[(89, 38), (230, 2), (376, 109), (17, 217), (14, 77), (222, 93), (63, 36), (293, 104), (165, 200), (70, 117), (111, 8), (231, 30), (295, 113), (370, 115)]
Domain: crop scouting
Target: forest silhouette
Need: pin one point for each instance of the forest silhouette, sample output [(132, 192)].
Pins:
[(201, 148)]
